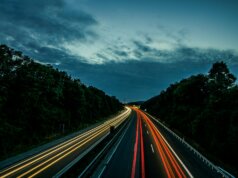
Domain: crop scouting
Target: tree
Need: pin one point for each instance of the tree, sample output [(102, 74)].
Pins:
[(204, 108), (43, 102), (220, 77)]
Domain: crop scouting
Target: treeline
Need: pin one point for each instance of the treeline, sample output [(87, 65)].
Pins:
[(204, 108), (38, 102)]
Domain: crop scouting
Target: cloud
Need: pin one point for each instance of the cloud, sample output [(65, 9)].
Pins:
[(183, 53), (200, 55), (121, 53), (134, 80), (44, 26), (129, 66), (142, 47), (54, 31)]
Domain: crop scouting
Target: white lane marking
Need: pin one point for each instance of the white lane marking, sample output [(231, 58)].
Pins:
[(147, 132), (188, 145), (152, 148), (115, 148)]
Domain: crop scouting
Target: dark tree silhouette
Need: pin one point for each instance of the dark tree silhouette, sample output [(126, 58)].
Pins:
[(39, 103), (204, 108), (220, 76)]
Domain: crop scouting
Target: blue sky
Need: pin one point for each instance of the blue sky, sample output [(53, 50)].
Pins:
[(131, 49)]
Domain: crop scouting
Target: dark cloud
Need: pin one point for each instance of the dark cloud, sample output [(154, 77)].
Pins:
[(36, 25), (182, 53), (51, 55), (204, 55), (148, 39), (178, 37), (121, 53), (141, 46), (39, 28), (154, 69), (136, 80)]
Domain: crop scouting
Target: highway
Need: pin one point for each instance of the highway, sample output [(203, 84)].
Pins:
[(143, 148), (49, 162), (144, 151)]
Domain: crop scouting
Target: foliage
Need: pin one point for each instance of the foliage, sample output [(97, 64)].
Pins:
[(205, 109), (39, 102)]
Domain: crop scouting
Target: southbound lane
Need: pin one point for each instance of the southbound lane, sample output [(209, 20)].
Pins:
[(120, 164), (49, 162)]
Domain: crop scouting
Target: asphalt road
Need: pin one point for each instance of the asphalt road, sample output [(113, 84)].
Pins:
[(49, 162), (195, 164), (148, 150), (144, 149), (119, 164)]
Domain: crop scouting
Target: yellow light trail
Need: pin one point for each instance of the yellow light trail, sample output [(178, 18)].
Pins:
[(61, 153), (63, 156), (52, 150), (44, 155)]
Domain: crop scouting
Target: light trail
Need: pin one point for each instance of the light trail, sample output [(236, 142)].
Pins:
[(70, 141), (142, 150), (62, 153), (165, 164), (74, 142), (133, 171), (171, 157), (117, 122), (169, 160)]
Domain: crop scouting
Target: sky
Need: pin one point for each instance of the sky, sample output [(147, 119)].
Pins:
[(131, 49)]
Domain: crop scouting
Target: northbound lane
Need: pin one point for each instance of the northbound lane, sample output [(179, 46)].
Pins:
[(146, 150), (143, 152)]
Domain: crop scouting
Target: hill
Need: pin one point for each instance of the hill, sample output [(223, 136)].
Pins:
[(39, 103), (135, 103), (204, 109)]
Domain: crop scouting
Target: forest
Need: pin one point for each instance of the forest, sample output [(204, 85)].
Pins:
[(204, 110), (39, 103)]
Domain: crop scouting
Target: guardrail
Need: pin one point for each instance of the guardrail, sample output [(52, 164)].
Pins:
[(219, 170), (77, 159), (100, 156)]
